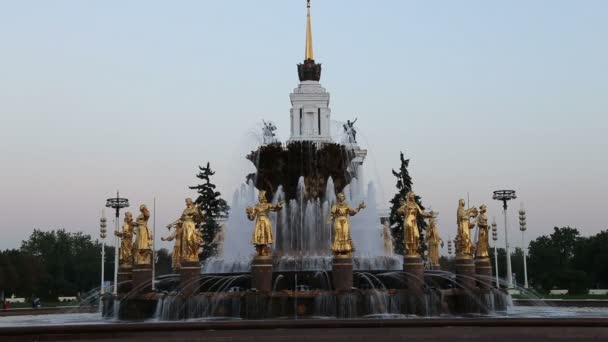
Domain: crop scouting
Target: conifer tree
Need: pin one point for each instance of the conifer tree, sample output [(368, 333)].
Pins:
[(213, 207), (404, 185)]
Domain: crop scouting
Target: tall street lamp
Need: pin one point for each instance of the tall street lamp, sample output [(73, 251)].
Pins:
[(116, 203), (505, 196), (102, 235), (450, 247), (522, 227), (495, 237)]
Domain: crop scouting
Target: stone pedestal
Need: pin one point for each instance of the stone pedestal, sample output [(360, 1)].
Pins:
[(483, 269), (414, 269), (142, 278), (342, 272), (261, 273), (435, 267), (125, 276), (190, 275), (125, 273), (465, 272)]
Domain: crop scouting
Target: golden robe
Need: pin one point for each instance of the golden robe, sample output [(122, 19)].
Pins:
[(262, 232), (483, 243), (125, 254), (176, 256), (342, 244), (464, 245), (191, 238), (143, 242), (434, 241), (411, 234)]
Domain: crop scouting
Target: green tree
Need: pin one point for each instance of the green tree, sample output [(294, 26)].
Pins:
[(214, 208), (163, 262), (591, 256), (552, 260), (404, 185), (502, 262), (70, 261), (447, 264)]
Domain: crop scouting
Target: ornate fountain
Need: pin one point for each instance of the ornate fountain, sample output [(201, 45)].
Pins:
[(308, 252)]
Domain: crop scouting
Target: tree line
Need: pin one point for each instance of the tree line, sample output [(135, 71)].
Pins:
[(58, 263), (560, 260)]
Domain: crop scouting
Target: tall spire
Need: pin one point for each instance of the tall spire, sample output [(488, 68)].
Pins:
[(309, 70), (309, 53)]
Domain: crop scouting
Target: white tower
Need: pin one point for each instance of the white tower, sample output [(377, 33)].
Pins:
[(310, 113)]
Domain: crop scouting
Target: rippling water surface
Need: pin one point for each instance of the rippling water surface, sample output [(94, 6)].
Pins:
[(541, 311)]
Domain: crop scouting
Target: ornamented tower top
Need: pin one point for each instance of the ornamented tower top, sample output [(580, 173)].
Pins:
[(310, 113), (309, 70)]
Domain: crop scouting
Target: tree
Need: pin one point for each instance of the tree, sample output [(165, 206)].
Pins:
[(163, 262), (69, 262), (552, 260), (214, 208), (591, 256), (447, 264), (502, 262), (404, 185)]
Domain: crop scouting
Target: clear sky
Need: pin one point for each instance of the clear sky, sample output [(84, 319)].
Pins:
[(133, 95)]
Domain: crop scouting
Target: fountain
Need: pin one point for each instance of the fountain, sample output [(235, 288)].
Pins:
[(304, 187)]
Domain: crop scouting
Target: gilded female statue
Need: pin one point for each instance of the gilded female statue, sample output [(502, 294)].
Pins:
[(176, 256), (343, 244), (191, 239), (483, 242), (126, 242), (464, 245), (387, 237), (434, 240), (411, 234), (262, 232), (143, 241)]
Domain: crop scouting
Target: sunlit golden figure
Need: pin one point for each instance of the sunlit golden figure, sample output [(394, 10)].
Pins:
[(387, 237), (143, 241), (483, 242), (191, 239), (433, 240), (262, 232), (464, 245), (176, 256), (342, 244), (125, 254), (411, 234)]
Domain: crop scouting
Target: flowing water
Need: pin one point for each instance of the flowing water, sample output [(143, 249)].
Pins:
[(302, 234)]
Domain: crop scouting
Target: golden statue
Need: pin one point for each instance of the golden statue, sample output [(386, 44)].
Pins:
[(142, 249), (483, 242), (190, 238), (262, 231), (411, 234), (176, 256), (387, 237), (434, 240), (125, 253), (464, 245), (343, 244)]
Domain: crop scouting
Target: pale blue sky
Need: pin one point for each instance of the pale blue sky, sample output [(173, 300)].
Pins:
[(99, 95)]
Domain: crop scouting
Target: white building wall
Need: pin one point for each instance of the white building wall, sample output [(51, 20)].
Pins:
[(312, 99)]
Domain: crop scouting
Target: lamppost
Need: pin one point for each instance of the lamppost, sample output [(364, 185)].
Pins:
[(450, 247), (495, 237), (102, 235), (505, 196), (522, 227), (116, 203)]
